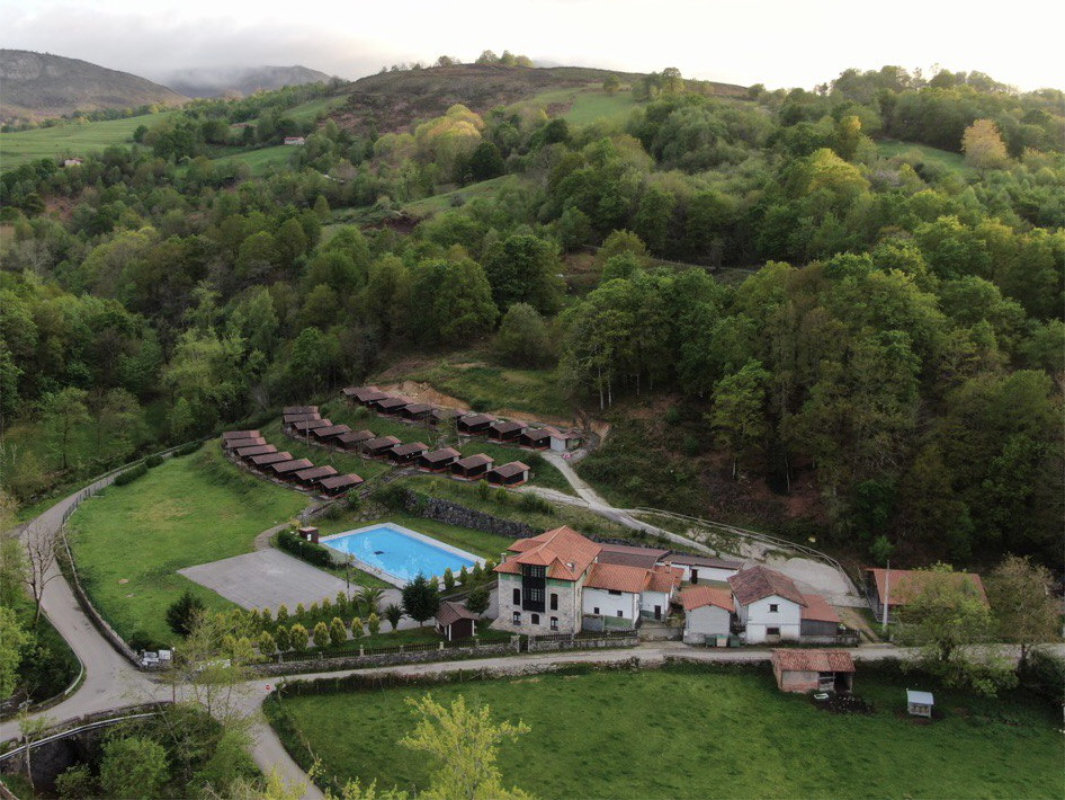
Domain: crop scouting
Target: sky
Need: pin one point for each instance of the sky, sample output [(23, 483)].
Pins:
[(779, 43)]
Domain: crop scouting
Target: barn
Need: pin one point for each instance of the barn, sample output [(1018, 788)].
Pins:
[(813, 670)]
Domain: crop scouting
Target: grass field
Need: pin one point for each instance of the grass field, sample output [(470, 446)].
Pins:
[(951, 162), (70, 139), (691, 731), (130, 541), (309, 111), (264, 160), (429, 206)]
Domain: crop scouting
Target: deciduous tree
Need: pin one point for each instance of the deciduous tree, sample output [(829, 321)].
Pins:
[(1023, 609), (983, 146)]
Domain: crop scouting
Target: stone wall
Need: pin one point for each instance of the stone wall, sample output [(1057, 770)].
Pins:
[(456, 514), (389, 659)]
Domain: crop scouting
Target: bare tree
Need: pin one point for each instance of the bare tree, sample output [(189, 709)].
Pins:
[(42, 549)]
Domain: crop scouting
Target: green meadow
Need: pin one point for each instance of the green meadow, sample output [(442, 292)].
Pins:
[(71, 139)]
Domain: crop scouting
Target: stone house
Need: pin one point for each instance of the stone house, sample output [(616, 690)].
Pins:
[(813, 670)]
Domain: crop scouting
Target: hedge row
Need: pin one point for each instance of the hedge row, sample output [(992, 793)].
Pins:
[(301, 548), (131, 474)]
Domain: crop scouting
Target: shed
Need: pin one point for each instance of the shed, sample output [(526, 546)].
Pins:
[(239, 435), (339, 483), (513, 474), (454, 621), (288, 420), (237, 444), (271, 458), (309, 477), (472, 424), (506, 431), (255, 450), (351, 440), (309, 425), (438, 460), (708, 614), (288, 469), (563, 441), (392, 405), (919, 704), (327, 432), (472, 468), (813, 670), (405, 453), (818, 618), (379, 446)]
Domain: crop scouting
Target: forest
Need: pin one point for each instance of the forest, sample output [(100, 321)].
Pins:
[(891, 322)]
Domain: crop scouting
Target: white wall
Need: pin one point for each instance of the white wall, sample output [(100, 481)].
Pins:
[(706, 573), (608, 604), (758, 618), (648, 601), (707, 620)]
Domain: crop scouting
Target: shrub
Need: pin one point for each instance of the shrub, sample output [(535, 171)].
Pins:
[(393, 613), (338, 634), (464, 575), (307, 551), (1044, 673), (282, 613), (321, 635), (483, 490), (301, 611), (153, 461), (393, 497), (267, 645), (502, 497), (356, 628), (298, 638), (282, 639), (374, 624), (183, 612), (130, 475), (449, 579), (534, 504), (76, 782), (341, 604), (187, 449)]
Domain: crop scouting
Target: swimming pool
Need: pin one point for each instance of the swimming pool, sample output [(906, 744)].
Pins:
[(397, 554)]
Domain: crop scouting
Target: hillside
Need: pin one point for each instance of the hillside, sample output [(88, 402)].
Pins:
[(40, 85), (391, 101), (240, 81)]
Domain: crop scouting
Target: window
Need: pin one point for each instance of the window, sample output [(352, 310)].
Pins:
[(554, 601), (517, 597), (620, 613), (536, 595), (772, 631), (774, 608), (535, 619), (596, 611), (554, 623), (614, 591), (516, 619)]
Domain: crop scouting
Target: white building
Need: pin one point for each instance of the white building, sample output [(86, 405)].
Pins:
[(708, 613), (700, 569), (768, 605)]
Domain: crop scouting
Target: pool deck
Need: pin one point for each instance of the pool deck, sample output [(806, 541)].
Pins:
[(388, 577)]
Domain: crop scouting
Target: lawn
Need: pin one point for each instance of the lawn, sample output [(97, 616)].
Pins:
[(951, 162), (698, 731), (130, 541), (71, 138), (429, 206), (264, 160), (312, 109), (322, 456)]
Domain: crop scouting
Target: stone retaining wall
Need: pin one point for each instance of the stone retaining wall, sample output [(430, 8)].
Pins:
[(456, 514), (390, 659)]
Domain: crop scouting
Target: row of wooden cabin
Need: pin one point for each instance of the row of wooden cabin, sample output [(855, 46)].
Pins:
[(468, 424), (251, 448)]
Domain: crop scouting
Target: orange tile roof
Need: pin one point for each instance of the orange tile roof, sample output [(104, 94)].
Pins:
[(664, 579), (903, 585), (755, 583), (817, 608), (813, 661), (565, 552), (618, 578), (698, 596)]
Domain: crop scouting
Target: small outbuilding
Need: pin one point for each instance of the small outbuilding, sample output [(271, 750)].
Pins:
[(454, 621), (267, 459), (708, 614), (287, 470), (506, 431), (379, 446), (329, 433), (439, 415), (304, 428), (246, 453), (364, 395), (472, 468), (438, 460), (289, 420), (406, 453), (565, 441), (813, 670), (391, 405), (338, 484), (238, 444), (473, 424), (352, 439), (228, 435), (919, 704), (300, 410), (536, 438), (700, 569), (309, 477), (513, 474), (416, 412)]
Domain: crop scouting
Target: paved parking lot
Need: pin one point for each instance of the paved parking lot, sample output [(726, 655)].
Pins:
[(266, 579)]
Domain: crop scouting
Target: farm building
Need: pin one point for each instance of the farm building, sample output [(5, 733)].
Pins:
[(536, 438), (406, 453), (352, 440), (379, 446), (228, 435), (391, 405), (364, 395), (472, 468), (271, 458), (473, 424), (329, 433), (455, 621), (504, 431), (438, 460), (768, 605), (899, 586), (631, 556), (813, 670), (287, 469), (300, 410), (309, 425), (237, 444), (339, 483), (708, 613), (416, 412), (820, 622), (513, 474), (246, 453), (699, 569), (309, 477)]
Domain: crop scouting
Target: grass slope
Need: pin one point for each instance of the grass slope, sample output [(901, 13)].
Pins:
[(70, 139), (688, 731), (130, 541), (264, 160)]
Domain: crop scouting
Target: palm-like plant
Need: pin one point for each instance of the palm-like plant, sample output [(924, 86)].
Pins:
[(369, 600)]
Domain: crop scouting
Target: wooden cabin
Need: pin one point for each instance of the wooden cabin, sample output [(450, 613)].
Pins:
[(338, 484), (513, 474), (270, 458), (329, 433), (287, 470), (364, 395), (309, 477), (416, 412), (237, 444), (304, 428), (379, 446), (473, 424), (438, 416), (472, 468), (438, 460), (455, 621), (536, 438), (503, 431), (352, 440), (239, 435), (256, 450), (391, 406), (288, 421), (406, 453), (300, 410)]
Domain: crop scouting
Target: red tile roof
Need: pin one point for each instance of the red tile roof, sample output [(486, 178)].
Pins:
[(904, 584), (450, 613), (818, 609), (565, 552), (755, 583), (698, 596), (664, 579), (813, 661), (618, 578)]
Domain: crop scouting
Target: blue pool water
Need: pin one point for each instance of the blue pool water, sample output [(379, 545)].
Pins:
[(398, 553)]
